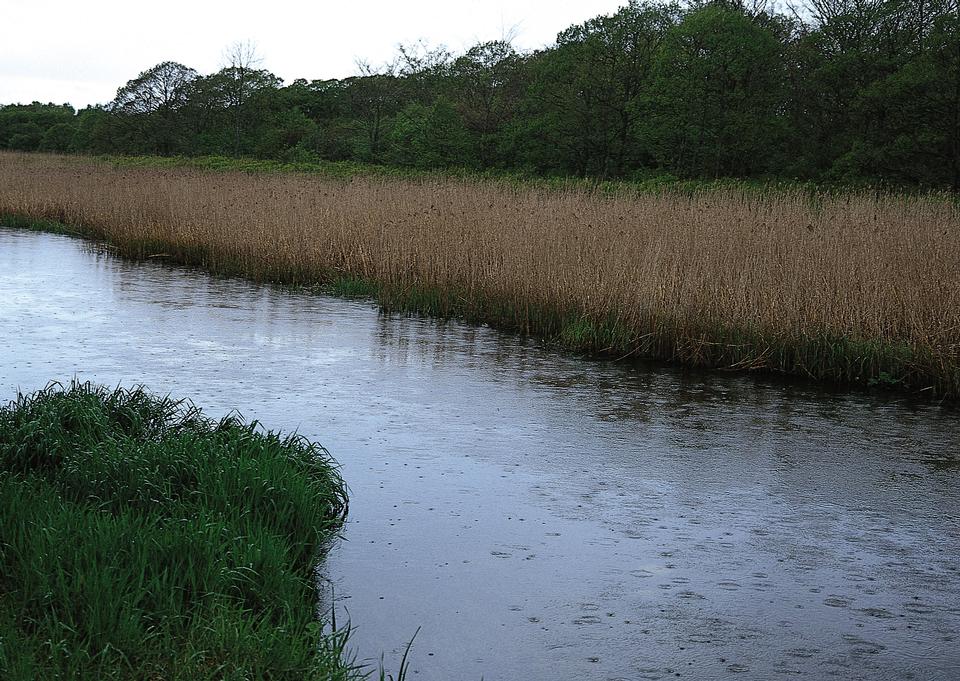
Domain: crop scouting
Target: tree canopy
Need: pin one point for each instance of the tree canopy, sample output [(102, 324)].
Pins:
[(854, 91)]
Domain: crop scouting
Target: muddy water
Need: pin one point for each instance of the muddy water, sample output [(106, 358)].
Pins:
[(540, 516)]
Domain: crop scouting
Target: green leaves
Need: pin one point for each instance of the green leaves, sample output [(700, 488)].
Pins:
[(854, 91)]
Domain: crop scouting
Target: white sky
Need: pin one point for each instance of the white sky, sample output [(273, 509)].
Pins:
[(80, 51)]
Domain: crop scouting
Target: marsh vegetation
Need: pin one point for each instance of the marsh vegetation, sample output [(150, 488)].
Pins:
[(143, 540), (855, 287)]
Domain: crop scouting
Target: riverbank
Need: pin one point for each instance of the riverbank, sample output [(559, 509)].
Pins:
[(142, 540), (853, 289)]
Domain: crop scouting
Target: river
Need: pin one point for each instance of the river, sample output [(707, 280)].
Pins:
[(537, 515)]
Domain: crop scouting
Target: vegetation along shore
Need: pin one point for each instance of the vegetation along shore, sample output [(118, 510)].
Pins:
[(143, 540), (852, 288)]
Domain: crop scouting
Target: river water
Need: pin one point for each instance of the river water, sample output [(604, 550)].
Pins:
[(539, 516)]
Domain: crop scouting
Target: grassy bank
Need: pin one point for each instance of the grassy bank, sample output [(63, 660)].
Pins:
[(143, 541), (851, 288), (348, 170)]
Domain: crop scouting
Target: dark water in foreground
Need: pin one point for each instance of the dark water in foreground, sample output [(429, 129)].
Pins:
[(541, 516)]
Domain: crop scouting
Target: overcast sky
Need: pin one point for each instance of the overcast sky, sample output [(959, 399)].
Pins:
[(81, 51)]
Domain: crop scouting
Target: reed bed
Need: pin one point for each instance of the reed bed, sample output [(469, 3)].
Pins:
[(852, 288)]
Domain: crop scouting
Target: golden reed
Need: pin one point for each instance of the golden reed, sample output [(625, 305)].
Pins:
[(850, 288)]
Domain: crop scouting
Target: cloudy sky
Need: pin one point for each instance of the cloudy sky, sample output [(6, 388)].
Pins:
[(81, 52)]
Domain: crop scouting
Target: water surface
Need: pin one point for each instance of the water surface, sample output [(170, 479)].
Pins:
[(540, 516)]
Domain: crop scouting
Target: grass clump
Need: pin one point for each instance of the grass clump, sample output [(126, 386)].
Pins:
[(141, 540), (23, 222)]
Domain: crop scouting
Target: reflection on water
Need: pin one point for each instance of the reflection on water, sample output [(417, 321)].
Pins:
[(543, 516)]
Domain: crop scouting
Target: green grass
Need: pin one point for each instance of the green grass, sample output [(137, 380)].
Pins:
[(141, 540), (23, 222), (350, 287), (839, 360), (642, 183)]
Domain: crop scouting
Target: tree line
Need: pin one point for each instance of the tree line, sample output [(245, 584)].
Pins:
[(849, 91)]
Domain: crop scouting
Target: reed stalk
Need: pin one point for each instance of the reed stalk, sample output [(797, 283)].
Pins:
[(853, 288)]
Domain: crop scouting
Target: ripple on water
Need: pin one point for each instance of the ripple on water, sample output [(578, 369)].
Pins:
[(587, 619), (722, 476)]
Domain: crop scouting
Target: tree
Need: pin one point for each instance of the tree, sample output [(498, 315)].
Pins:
[(842, 90), (26, 127), (374, 97), (157, 88), (488, 83), (287, 135), (429, 136), (94, 125), (239, 82), (593, 88), (59, 138), (148, 104), (916, 140), (422, 70), (718, 93)]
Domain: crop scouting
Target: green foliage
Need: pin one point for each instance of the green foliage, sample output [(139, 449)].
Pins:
[(591, 95), (718, 88), (856, 92), (911, 123), (28, 127), (487, 84), (142, 540), (428, 136), (146, 108), (351, 287)]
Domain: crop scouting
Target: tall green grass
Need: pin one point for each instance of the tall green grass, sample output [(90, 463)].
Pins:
[(644, 183), (141, 540), (639, 185)]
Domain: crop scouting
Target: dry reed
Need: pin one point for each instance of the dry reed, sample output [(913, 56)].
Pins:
[(851, 288)]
